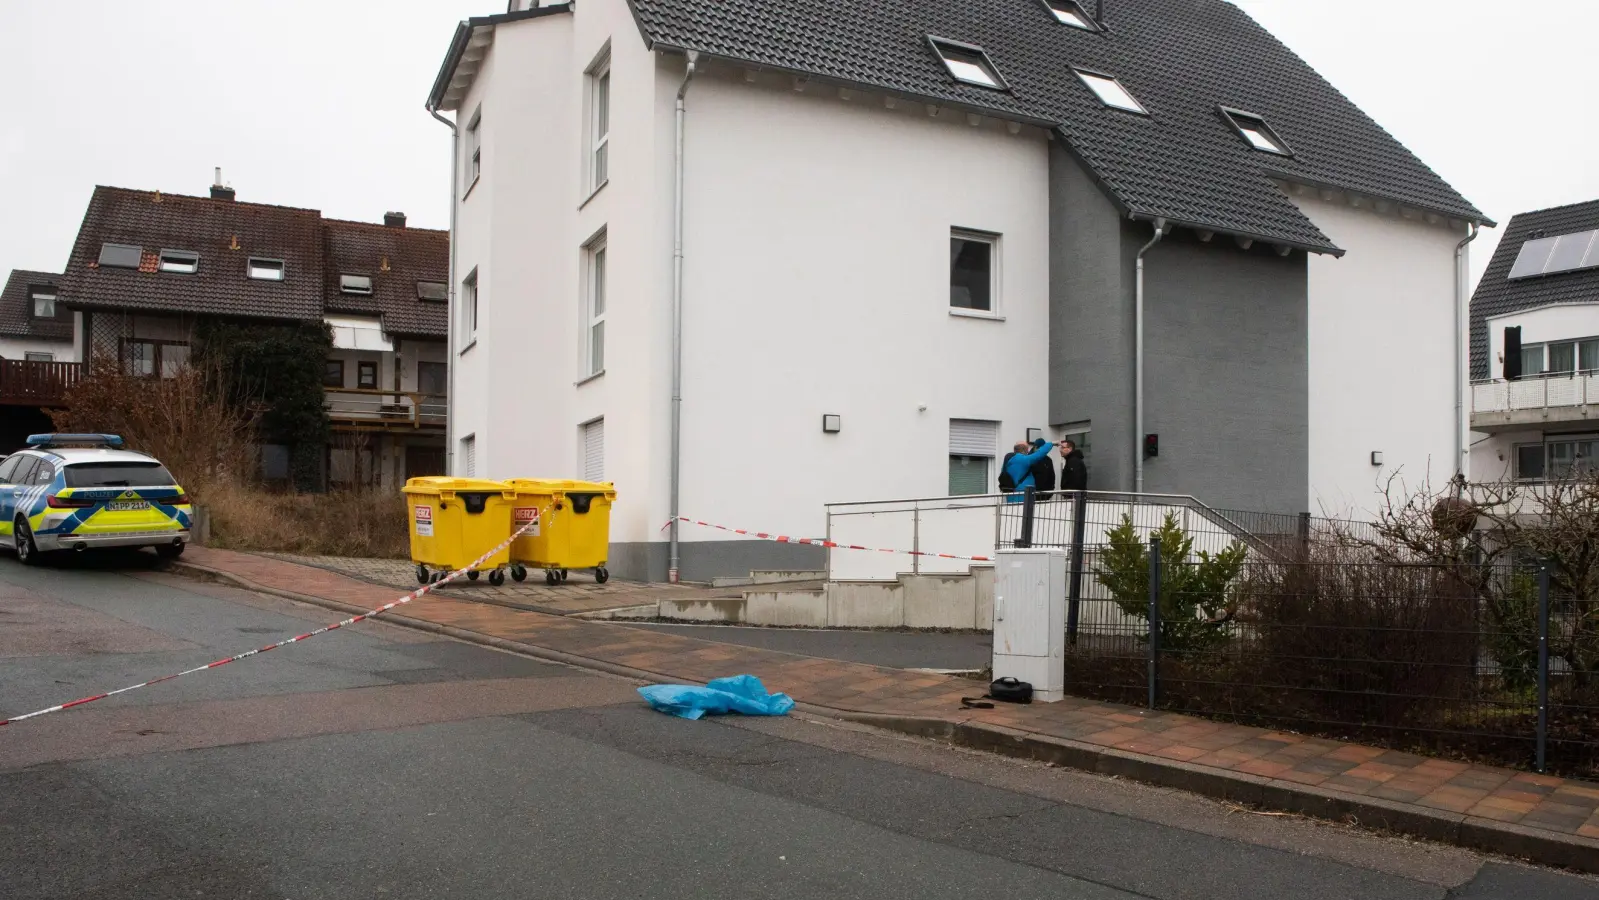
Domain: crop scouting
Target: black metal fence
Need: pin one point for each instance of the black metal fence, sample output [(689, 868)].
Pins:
[(1287, 622)]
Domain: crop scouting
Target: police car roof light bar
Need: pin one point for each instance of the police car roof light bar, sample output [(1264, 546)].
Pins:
[(41, 441)]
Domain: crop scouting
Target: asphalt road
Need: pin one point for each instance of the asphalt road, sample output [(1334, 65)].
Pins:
[(380, 762)]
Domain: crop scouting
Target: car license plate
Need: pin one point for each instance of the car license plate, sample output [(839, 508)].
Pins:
[(126, 505)]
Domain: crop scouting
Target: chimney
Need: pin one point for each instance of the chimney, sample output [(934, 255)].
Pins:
[(394, 219), (1099, 13), (219, 191)]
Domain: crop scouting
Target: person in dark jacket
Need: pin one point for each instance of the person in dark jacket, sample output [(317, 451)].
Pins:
[(1044, 475), (1073, 472), (1019, 466)]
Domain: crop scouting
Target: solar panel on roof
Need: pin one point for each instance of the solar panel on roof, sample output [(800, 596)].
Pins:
[(1569, 251), (1561, 253), (1530, 261)]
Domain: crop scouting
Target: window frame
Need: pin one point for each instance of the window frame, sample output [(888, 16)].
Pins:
[(986, 64), (445, 292), (597, 128), (1244, 122), (251, 267), (995, 242), (467, 453), (158, 364), (363, 368), (596, 260), (38, 356), (1087, 76), (347, 286), (138, 255), (327, 370), (1080, 20), (180, 259), (469, 310), (444, 380), (583, 448), (44, 293), (472, 163)]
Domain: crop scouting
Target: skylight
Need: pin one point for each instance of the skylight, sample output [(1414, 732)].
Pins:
[(119, 256), (1070, 12), (355, 284), (437, 291), (1110, 92), (265, 269), (968, 64), (1255, 132), (181, 262)]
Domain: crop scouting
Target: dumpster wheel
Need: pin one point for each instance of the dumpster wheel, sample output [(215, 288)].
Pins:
[(602, 575), (472, 574), (518, 572), (421, 574), (496, 577), (551, 576)]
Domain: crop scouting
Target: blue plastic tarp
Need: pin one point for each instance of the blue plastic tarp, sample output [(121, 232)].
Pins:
[(743, 694)]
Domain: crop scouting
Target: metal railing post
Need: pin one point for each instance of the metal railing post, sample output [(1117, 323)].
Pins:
[(1029, 501), (916, 537), (1074, 584), (1154, 621), (1543, 662), (827, 552)]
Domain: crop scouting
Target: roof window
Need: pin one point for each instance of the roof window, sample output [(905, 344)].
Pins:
[(44, 302), (120, 256), (355, 284), (265, 269), (1255, 132), (181, 262), (1070, 12), (436, 291), (968, 64), (1110, 92)]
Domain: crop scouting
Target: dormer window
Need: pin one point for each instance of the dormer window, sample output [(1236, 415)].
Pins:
[(180, 262), (119, 256), (44, 302), (968, 64), (1255, 132), (265, 269), (437, 291), (355, 284), (1070, 12), (1110, 92)]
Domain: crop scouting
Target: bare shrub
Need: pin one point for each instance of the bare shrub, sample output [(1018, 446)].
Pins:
[(356, 523)]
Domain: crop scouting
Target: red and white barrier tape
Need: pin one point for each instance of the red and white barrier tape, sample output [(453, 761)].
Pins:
[(821, 542), (421, 591)]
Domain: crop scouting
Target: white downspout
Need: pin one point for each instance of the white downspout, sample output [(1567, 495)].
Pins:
[(1462, 355), (677, 318), (1138, 360), (449, 326)]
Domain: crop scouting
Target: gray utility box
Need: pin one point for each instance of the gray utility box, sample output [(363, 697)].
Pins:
[(1030, 620)]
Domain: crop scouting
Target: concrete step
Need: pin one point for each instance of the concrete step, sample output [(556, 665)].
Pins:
[(766, 577)]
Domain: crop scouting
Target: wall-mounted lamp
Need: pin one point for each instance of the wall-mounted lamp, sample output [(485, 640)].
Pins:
[(1035, 434), (832, 423), (1376, 457)]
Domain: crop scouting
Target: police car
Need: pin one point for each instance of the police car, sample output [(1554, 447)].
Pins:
[(83, 491)]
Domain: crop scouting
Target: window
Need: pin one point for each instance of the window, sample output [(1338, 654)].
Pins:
[(1560, 357), (972, 446), (594, 307), (120, 256), (1071, 13), (333, 373), (366, 375), (1255, 132), (9, 468), (433, 378), (1529, 462), (474, 149), (44, 473), (118, 474), (1556, 458), (180, 262), (1532, 360), (275, 462), (599, 81), (174, 359), (265, 269), (355, 284), (44, 303), (145, 358), (468, 461), (435, 291), (469, 310), (972, 270), (968, 64), (1110, 92), (39, 357), (594, 450)]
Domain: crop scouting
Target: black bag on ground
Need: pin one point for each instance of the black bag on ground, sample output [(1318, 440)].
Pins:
[(1009, 690)]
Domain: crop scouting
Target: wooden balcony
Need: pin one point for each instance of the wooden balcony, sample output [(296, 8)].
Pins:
[(364, 409), (27, 383)]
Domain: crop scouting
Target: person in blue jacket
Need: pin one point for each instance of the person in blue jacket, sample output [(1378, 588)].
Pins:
[(1019, 466)]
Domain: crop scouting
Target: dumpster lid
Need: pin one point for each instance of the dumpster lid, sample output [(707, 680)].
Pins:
[(560, 486), (440, 484)]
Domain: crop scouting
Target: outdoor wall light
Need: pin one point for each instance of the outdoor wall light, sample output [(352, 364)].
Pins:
[(1034, 434), (832, 423), (1376, 457)]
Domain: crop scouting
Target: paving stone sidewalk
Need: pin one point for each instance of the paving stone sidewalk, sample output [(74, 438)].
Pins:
[(1552, 820)]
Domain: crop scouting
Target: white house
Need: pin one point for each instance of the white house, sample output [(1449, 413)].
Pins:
[(743, 259), (1535, 348), (33, 326)]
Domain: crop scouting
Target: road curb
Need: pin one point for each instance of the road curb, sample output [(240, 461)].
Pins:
[(1549, 848)]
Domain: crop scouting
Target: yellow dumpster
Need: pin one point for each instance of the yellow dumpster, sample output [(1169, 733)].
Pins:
[(456, 520), (573, 530)]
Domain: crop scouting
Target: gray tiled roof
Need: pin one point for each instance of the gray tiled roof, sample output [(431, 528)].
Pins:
[(1182, 59), (16, 308), (1497, 294)]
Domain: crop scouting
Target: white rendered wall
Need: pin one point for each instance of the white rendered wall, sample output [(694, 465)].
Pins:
[(18, 348), (1381, 355), (817, 281), (1548, 323)]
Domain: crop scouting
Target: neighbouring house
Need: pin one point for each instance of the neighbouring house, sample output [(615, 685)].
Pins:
[(37, 354), (147, 267), (1535, 348), (746, 258)]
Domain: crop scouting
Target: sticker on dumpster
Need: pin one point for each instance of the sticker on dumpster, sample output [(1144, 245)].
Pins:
[(424, 521), (526, 514)]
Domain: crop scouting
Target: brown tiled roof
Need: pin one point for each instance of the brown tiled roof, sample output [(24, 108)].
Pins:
[(395, 258), (224, 233), (16, 308)]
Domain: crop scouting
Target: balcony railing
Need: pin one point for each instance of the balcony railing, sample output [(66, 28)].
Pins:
[(386, 409), (29, 383), (1554, 397)]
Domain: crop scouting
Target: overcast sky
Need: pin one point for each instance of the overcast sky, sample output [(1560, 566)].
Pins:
[(318, 103)]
